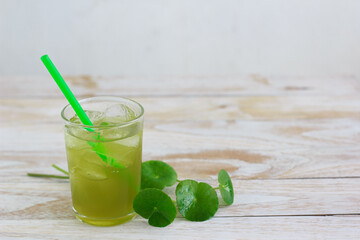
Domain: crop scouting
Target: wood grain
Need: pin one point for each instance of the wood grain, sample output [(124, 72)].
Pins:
[(204, 164), (277, 228), (166, 109), (50, 199), (85, 86)]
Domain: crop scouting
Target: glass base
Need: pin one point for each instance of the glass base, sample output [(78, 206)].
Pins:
[(104, 221)]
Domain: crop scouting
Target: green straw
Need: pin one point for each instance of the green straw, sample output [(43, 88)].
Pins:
[(66, 91), (97, 146)]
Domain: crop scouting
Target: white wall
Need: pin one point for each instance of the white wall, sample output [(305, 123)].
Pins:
[(181, 37)]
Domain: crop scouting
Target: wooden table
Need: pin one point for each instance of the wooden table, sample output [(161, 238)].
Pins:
[(291, 145)]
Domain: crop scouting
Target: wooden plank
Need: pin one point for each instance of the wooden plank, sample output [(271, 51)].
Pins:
[(277, 228), (208, 135), (241, 163), (43, 86), (14, 111), (50, 198)]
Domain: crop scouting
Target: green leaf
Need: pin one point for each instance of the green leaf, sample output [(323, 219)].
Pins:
[(226, 187), (157, 174), (155, 205), (196, 201)]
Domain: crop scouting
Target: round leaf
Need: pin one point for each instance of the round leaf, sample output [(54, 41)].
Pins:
[(196, 201), (155, 205), (157, 174), (226, 187)]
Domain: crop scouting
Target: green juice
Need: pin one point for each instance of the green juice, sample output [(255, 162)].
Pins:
[(103, 190)]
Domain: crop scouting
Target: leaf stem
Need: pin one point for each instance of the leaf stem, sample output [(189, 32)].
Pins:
[(47, 175), (60, 169), (178, 180), (216, 188)]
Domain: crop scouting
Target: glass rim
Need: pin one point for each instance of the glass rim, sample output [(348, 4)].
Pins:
[(125, 123)]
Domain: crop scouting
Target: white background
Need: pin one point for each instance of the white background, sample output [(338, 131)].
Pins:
[(181, 37)]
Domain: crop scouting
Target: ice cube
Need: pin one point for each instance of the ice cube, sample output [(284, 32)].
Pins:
[(75, 119), (95, 117), (91, 166), (120, 113), (89, 173), (132, 142)]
